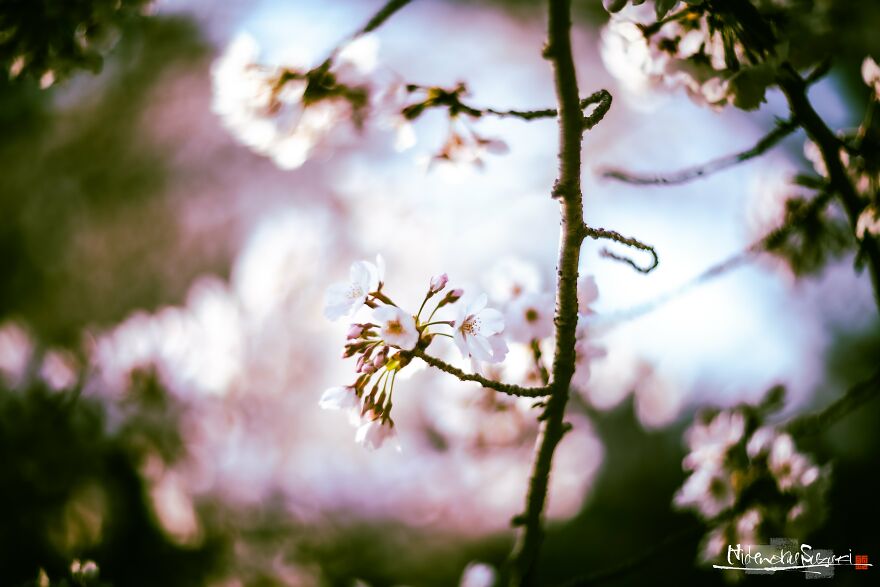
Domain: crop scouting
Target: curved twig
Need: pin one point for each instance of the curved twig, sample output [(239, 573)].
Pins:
[(507, 388), (602, 100), (598, 233)]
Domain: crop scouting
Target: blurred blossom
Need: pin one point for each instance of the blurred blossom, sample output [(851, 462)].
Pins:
[(871, 75), (59, 369), (511, 277), (868, 222), (172, 504), (16, 349), (732, 455), (588, 293), (585, 353), (530, 317), (286, 112), (477, 575)]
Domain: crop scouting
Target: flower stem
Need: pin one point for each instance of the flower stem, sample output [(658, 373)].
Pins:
[(567, 190), (496, 385)]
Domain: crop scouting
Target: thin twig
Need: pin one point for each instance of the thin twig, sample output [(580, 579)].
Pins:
[(815, 206), (507, 388), (451, 100), (601, 233), (377, 20), (783, 129)]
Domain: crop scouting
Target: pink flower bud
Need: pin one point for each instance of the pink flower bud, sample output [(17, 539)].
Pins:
[(381, 357), (438, 282)]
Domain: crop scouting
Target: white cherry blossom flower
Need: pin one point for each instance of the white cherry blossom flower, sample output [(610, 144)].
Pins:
[(530, 317), (710, 442), (375, 433), (474, 327), (396, 327), (339, 398), (344, 299), (497, 350), (708, 491)]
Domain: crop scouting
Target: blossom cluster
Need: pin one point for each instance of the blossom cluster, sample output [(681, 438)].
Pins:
[(719, 53), (288, 112), (749, 481), (858, 153), (518, 289), (384, 345)]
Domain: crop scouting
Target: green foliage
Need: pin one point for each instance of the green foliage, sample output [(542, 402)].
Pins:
[(49, 40)]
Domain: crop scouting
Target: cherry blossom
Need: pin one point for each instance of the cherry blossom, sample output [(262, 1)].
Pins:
[(709, 442), (530, 317), (397, 327), (475, 326), (340, 398), (344, 299), (375, 433), (286, 112), (511, 277), (790, 467), (708, 490)]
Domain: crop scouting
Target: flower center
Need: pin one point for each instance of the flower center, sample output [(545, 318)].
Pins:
[(471, 325), (355, 291), (394, 327), (717, 488), (531, 315)]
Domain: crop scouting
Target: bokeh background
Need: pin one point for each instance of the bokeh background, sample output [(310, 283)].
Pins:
[(163, 349)]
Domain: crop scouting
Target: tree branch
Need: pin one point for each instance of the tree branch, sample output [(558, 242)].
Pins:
[(809, 424), (783, 129), (497, 386), (597, 233), (451, 100), (567, 191), (795, 89)]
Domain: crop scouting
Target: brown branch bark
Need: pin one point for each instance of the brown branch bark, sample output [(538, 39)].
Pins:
[(568, 192)]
